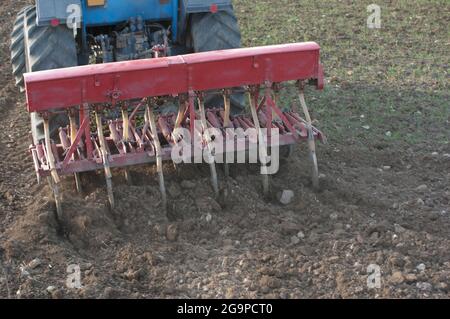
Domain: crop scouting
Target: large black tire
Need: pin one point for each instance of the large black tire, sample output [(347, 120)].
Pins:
[(46, 48), (217, 31), (17, 48)]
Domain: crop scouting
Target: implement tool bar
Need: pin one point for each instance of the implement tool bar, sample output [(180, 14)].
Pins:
[(118, 81)]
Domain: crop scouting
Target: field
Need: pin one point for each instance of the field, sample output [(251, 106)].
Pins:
[(385, 197)]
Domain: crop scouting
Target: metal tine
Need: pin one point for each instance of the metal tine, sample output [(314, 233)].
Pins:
[(311, 141), (226, 124), (276, 98), (150, 118), (182, 108), (54, 179), (181, 113), (104, 154), (212, 165), (126, 136), (262, 146), (73, 134)]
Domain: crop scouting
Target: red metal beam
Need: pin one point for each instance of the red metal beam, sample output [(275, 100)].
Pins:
[(109, 82)]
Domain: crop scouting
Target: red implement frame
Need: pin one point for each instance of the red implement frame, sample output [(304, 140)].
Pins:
[(92, 88), (111, 82)]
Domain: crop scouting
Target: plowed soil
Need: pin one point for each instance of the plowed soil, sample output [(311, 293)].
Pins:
[(383, 201)]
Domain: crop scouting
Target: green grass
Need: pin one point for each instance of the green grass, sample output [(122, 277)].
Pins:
[(397, 77)]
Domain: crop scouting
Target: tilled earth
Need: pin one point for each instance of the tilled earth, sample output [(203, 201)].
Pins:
[(387, 207)]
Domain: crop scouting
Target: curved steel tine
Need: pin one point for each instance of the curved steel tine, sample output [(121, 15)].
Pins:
[(226, 124), (104, 154), (150, 117), (212, 165), (182, 108), (125, 138), (73, 134), (53, 179), (57, 195), (262, 146), (311, 141)]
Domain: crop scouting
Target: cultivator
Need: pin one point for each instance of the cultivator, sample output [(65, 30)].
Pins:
[(115, 119)]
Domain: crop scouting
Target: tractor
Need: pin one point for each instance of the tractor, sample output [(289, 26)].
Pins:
[(43, 37), (113, 84)]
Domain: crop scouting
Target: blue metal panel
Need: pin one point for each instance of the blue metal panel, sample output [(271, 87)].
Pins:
[(48, 10), (198, 6), (116, 11)]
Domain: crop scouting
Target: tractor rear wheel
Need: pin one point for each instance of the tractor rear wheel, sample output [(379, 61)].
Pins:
[(17, 48), (47, 48), (217, 31)]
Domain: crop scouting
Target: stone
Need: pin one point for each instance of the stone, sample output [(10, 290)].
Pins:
[(269, 282), (421, 267), (34, 263), (421, 188), (397, 277), (172, 232), (51, 289), (410, 278), (286, 197)]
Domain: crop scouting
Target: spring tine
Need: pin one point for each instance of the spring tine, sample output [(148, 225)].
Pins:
[(115, 134), (262, 146), (181, 112), (165, 130), (48, 146), (311, 141), (65, 142), (73, 134), (227, 106), (125, 138), (212, 165), (159, 166), (126, 124), (104, 154), (54, 178), (275, 99), (57, 195), (128, 177), (226, 124)]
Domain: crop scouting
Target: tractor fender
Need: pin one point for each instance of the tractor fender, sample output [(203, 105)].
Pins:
[(56, 12), (199, 6), (188, 7)]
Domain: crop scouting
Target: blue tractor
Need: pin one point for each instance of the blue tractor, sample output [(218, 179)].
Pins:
[(64, 33)]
